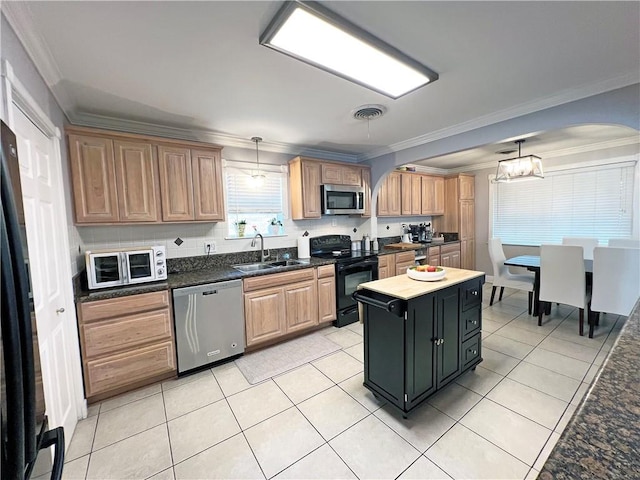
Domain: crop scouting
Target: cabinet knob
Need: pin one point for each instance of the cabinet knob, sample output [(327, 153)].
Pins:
[(475, 322), (474, 292), (475, 352), (60, 310)]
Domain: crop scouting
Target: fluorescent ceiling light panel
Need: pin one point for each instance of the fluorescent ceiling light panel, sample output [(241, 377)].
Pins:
[(311, 33)]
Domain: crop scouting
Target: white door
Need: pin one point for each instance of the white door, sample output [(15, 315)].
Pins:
[(46, 230)]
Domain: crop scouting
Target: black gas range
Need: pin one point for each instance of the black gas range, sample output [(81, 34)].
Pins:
[(352, 269)]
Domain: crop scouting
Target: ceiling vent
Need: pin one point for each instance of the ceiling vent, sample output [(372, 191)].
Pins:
[(369, 112)]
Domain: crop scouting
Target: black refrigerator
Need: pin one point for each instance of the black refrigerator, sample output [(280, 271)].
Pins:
[(25, 432)]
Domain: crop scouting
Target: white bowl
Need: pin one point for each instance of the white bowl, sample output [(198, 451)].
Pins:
[(426, 276)]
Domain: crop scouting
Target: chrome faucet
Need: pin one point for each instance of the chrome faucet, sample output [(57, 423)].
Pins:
[(263, 256)]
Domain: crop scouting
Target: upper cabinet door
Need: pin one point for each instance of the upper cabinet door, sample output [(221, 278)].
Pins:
[(311, 190), (416, 194), (136, 181), (351, 176), (208, 197), (331, 174), (94, 179), (176, 184), (467, 187), (366, 184), (407, 193)]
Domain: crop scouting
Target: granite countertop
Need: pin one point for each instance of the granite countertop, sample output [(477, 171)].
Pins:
[(405, 288), (189, 278), (415, 246), (602, 440)]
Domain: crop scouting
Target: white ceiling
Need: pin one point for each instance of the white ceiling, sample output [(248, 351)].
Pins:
[(199, 66)]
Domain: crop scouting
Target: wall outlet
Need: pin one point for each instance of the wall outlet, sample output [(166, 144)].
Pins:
[(334, 222), (209, 247)]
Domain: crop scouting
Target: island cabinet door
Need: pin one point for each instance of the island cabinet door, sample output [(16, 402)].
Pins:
[(384, 354), (420, 350), (447, 336)]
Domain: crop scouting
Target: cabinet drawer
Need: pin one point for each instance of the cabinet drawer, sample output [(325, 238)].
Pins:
[(124, 333), (470, 322), (277, 279), (116, 371), (471, 350), (383, 260), (471, 294), (450, 248), (326, 271), (114, 307), (405, 257)]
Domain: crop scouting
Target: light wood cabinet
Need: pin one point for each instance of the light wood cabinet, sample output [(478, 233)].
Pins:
[(279, 304), (433, 255), (432, 195), (326, 293), (404, 260), (459, 215), (366, 184), (136, 182), (128, 178), (93, 177), (190, 184), (386, 265), (411, 187), (450, 255), (176, 183), (304, 188), (389, 196), (208, 196), (306, 175), (336, 174), (125, 342), (264, 312)]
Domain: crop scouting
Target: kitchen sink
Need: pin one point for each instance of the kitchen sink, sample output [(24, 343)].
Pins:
[(287, 263), (253, 267)]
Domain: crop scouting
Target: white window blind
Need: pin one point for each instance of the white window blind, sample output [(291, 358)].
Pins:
[(257, 205), (586, 202)]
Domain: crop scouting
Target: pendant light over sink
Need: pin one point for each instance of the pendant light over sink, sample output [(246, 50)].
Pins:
[(257, 177), (519, 168)]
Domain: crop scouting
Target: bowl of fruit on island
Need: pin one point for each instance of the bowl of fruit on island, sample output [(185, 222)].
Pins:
[(426, 273)]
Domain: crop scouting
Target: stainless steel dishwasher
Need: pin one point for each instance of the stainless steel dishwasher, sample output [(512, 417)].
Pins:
[(209, 323)]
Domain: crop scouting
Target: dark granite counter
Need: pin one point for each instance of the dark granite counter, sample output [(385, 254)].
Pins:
[(211, 274), (602, 440)]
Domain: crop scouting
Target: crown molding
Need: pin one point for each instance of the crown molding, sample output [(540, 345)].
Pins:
[(19, 17), (565, 96), (619, 142), (200, 135)]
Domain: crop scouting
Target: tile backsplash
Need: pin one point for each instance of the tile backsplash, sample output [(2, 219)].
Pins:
[(193, 236)]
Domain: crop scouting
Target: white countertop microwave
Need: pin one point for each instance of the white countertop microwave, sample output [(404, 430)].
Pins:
[(342, 200), (112, 268)]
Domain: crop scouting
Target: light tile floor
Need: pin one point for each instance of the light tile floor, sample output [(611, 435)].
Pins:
[(318, 421)]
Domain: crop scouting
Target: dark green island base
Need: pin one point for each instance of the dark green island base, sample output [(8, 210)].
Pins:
[(419, 336)]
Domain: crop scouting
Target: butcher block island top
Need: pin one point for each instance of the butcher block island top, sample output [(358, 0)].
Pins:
[(405, 288)]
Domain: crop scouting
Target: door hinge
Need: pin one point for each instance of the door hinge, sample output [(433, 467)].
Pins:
[(406, 397)]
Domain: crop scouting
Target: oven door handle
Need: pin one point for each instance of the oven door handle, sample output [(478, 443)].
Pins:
[(364, 263)]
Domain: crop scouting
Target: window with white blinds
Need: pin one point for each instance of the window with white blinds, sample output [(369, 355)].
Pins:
[(594, 201), (258, 205)]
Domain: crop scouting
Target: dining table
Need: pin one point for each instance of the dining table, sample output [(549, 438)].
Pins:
[(532, 263)]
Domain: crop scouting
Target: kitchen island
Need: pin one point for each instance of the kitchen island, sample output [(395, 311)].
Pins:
[(419, 336)]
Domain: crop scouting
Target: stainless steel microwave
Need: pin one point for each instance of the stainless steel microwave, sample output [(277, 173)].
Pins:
[(342, 200), (112, 268)]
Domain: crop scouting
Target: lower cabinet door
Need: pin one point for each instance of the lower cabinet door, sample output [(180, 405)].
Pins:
[(264, 312), (301, 306), (448, 333), (115, 371), (420, 359)]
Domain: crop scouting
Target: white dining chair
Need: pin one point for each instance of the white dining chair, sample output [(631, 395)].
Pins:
[(502, 277), (588, 244), (563, 279), (616, 282), (624, 242)]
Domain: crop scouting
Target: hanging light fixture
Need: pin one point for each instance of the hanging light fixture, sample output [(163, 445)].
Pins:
[(257, 177), (519, 168)]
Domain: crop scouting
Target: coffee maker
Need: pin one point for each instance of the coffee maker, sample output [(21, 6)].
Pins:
[(421, 233)]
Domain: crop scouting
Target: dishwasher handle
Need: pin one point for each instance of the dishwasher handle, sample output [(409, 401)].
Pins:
[(210, 292), (396, 306)]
